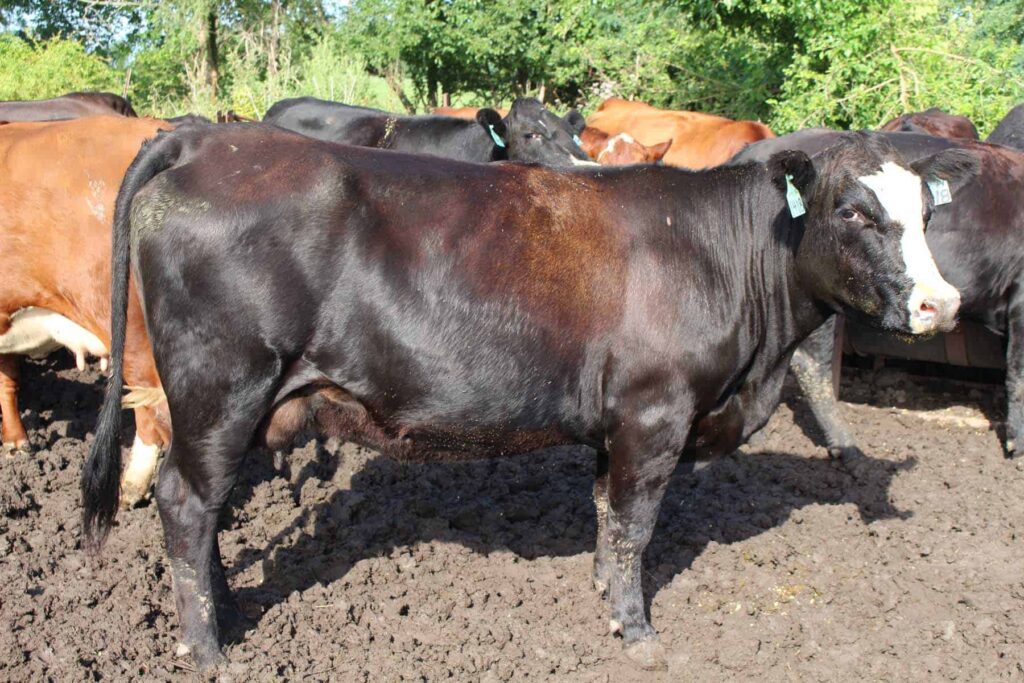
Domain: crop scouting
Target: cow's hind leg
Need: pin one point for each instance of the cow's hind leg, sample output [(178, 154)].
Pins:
[(602, 561), (642, 461), (195, 479), (138, 473), (14, 435)]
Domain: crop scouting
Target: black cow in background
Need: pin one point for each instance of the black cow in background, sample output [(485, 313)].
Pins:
[(1010, 131), (74, 105), (977, 240), (435, 309), (530, 133)]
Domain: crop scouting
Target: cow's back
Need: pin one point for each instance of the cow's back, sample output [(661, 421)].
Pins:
[(1010, 130), (71, 106), (698, 140), (331, 121)]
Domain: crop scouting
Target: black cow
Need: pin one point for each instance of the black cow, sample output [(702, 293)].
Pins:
[(1010, 131), (74, 105), (437, 309), (978, 244), (188, 119), (934, 121), (529, 133)]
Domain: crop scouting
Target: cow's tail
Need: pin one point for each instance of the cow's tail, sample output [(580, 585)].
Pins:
[(101, 474)]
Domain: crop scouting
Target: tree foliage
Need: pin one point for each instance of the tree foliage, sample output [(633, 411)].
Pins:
[(51, 67), (791, 63)]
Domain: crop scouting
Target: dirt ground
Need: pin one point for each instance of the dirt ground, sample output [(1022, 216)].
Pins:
[(773, 563)]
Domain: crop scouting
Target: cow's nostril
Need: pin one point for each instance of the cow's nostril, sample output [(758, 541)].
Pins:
[(928, 309)]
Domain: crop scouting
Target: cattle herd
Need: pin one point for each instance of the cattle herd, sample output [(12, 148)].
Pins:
[(375, 277)]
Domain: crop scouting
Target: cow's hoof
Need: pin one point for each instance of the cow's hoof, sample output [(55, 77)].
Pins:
[(1011, 449), (852, 459), (13, 448), (233, 617), (648, 654), (601, 577), (132, 495), (205, 658)]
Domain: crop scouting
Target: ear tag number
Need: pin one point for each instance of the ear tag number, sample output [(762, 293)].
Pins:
[(940, 191), (494, 136), (793, 198)]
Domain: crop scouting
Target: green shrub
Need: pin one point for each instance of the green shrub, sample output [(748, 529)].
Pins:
[(37, 70)]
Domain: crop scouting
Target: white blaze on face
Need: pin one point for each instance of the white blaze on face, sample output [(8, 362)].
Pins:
[(582, 162), (615, 141), (899, 192)]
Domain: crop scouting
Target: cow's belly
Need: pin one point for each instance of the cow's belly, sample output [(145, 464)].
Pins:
[(37, 332), (331, 411)]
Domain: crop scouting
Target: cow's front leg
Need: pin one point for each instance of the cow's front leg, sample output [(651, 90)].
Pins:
[(14, 435), (602, 559), (812, 367), (642, 461), (1014, 376)]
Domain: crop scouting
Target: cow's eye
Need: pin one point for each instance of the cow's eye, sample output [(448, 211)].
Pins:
[(850, 215), (532, 136)]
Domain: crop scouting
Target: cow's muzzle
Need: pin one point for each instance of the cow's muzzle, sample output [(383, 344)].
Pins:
[(933, 309)]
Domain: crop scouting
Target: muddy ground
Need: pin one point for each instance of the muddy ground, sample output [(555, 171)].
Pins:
[(772, 564)]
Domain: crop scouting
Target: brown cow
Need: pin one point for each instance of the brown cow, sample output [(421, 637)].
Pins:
[(56, 207), (74, 105), (935, 122), (698, 140), (621, 149)]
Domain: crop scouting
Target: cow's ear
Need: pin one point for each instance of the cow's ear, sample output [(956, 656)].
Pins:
[(794, 164), (656, 152), (575, 121), (956, 166), (494, 125)]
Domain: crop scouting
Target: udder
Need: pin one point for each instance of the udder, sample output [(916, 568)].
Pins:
[(37, 332)]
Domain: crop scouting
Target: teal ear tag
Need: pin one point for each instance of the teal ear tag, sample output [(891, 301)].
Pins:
[(494, 136), (576, 139), (793, 198), (940, 191)]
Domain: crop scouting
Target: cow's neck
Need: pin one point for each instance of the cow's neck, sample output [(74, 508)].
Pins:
[(780, 307)]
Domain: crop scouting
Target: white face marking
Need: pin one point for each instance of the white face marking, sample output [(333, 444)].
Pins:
[(582, 162), (613, 142), (899, 192)]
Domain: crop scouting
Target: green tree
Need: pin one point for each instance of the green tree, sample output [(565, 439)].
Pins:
[(48, 68)]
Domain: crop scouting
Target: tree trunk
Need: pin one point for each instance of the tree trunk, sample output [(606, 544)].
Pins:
[(431, 89), (393, 78), (275, 32), (210, 40)]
